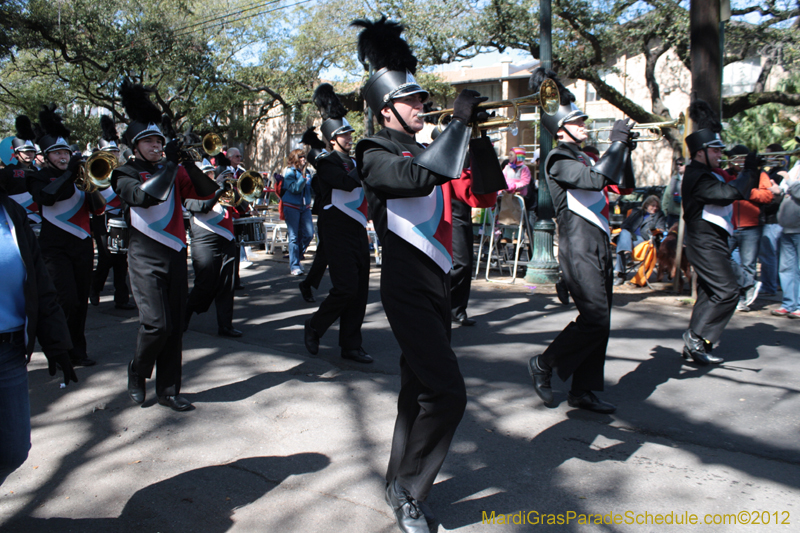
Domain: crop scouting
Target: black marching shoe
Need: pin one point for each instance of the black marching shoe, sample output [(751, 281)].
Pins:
[(176, 403), (94, 298), (407, 511), (590, 402), (464, 320), (229, 331), (84, 361), (127, 306), (311, 338), (698, 350), (359, 355), (305, 291), (136, 388), (541, 379)]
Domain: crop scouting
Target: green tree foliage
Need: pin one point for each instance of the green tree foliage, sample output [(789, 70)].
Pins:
[(771, 123), (203, 59)]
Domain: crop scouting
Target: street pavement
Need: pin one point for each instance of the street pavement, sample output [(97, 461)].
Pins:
[(284, 441)]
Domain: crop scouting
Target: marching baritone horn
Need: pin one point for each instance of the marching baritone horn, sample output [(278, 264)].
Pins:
[(548, 99), (95, 174), (211, 144), (250, 187)]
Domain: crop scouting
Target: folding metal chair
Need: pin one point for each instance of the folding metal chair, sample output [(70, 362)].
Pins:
[(501, 257)]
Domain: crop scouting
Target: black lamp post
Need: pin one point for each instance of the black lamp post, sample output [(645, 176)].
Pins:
[(543, 267)]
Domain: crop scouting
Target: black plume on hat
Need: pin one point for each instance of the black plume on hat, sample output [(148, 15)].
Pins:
[(704, 117), (380, 45), (328, 103), (137, 103), (540, 74), (51, 122), (311, 139), (166, 127), (109, 129), (24, 128)]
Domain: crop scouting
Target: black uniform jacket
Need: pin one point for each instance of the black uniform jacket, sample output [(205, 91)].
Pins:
[(385, 176), (45, 320), (335, 170), (567, 167), (13, 178), (701, 186)]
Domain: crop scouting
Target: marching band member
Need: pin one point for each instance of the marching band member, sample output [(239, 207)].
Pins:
[(65, 237), (153, 187), (707, 211), (402, 181), (316, 148), (342, 226), (105, 259), (214, 250), (14, 175), (584, 249)]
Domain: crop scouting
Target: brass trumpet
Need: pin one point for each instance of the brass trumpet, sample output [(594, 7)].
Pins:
[(771, 159), (655, 128), (548, 99), (249, 186), (95, 174)]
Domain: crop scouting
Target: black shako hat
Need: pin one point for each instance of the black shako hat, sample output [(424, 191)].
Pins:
[(381, 47), (333, 112), (708, 128), (53, 134), (144, 115), (109, 141), (567, 111), (25, 138)]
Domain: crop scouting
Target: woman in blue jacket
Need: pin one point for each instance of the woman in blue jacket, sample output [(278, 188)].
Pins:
[(297, 208)]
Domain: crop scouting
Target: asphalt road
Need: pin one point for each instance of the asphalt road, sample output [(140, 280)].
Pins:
[(283, 441)]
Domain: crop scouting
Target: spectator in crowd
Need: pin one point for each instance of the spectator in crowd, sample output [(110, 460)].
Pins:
[(517, 174), (671, 201), (297, 209), (637, 228), (789, 269), (768, 249), (29, 311), (747, 234)]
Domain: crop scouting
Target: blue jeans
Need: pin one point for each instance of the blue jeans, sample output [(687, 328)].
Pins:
[(626, 242), (15, 409), (768, 254), (789, 271), (301, 230), (747, 242)]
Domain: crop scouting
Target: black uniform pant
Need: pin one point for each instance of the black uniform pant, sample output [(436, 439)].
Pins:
[(106, 261), (318, 266), (717, 285), (213, 258), (461, 275), (416, 297), (160, 287), (347, 251), (69, 263), (587, 269)]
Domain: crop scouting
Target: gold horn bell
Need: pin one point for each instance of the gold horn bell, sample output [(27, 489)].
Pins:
[(96, 172), (250, 187)]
